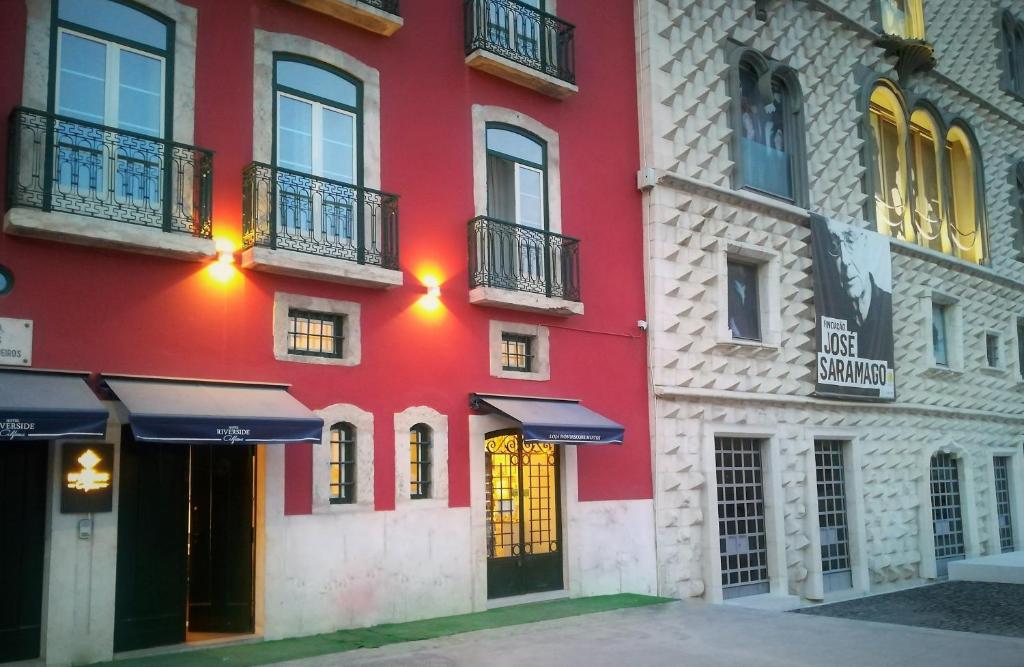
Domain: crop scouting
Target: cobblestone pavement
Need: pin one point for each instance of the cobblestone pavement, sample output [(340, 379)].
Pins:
[(967, 606)]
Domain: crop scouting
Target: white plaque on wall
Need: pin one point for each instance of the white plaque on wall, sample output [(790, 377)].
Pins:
[(15, 342)]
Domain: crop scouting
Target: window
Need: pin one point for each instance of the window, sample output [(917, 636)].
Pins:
[(993, 355), (1020, 347), (769, 141), (1017, 180), (903, 18), (515, 177), (343, 464), (314, 333), (940, 334), (964, 226), (419, 460), (889, 131), (1013, 54), (318, 135), (516, 352), (744, 309)]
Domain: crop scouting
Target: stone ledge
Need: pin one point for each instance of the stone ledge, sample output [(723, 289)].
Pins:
[(514, 300), (101, 233), (485, 61), (304, 265), (357, 13)]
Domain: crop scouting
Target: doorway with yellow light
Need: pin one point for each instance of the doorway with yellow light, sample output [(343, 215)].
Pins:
[(523, 515)]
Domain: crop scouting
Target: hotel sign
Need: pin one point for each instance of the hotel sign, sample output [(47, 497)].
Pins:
[(87, 478), (15, 342)]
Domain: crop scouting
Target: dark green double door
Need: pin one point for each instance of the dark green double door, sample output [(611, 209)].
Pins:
[(22, 522), (185, 542)]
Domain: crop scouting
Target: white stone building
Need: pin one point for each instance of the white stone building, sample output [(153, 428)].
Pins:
[(709, 209)]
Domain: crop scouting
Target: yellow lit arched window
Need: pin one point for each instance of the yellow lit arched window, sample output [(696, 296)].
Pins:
[(903, 18), (889, 127), (966, 230), (927, 211)]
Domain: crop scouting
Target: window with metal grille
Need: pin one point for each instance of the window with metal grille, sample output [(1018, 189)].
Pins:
[(420, 441), (947, 514), (516, 352), (992, 351), (1001, 466), (940, 334), (832, 514), (315, 334), (343, 464), (744, 310), (741, 519)]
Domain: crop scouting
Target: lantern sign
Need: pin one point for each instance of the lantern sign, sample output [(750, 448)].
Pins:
[(87, 478)]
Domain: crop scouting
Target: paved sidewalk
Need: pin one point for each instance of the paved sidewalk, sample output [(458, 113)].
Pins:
[(693, 634)]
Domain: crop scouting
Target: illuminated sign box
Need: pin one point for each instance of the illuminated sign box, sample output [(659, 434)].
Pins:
[(87, 478)]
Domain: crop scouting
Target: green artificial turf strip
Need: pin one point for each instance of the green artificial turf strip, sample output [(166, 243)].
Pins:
[(262, 653)]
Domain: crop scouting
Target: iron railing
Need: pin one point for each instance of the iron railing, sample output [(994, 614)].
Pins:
[(289, 210), (523, 34), (389, 6), (524, 259), (58, 163)]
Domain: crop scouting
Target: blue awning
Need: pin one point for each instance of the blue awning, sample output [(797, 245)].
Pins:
[(197, 411), (44, 405), (558, 420)]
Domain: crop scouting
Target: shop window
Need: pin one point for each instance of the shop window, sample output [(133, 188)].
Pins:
[(318, 334), (744, 307), (1013, 54), (420, 437), (517, 352), (940, 334), (769, 141), (902, 18), (343, 464)]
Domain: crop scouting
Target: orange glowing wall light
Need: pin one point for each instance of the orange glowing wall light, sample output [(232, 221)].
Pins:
[(430, 303), (223, 268)]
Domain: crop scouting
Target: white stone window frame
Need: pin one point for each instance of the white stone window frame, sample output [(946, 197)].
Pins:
[(351, 329), (927, 568), (769, 290), (1001, 366), (774, 509), (438, 423), (853, 469), (954, 333), (540, 348), (362, 421)]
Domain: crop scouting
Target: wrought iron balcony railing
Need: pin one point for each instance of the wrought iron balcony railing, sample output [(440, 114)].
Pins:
[(524, 259), (58, 163), (289, 210), (389, 6), (523, 34)]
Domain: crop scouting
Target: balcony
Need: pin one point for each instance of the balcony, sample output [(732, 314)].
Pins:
[(301, 225), (521, 44), (379, 16), (511, 266), (79, 182)]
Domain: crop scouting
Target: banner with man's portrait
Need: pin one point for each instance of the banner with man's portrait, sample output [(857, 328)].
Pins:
[(853, 312)]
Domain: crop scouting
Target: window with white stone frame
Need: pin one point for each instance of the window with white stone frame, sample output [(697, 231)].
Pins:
[(945, 333), (421, 455), (315, 330), (519, 351), (749, 311), (343, 464), (994, 351)]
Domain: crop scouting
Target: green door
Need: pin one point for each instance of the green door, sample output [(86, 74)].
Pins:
[(22, 522), (220, 588), (524, 532), (152, 540)]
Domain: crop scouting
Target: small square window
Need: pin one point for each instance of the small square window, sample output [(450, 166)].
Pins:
[(516, 352), (940, 333), (315, 334), (992, 352), (744, 309)]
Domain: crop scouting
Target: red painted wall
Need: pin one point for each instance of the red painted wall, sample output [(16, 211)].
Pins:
[(118, 312)]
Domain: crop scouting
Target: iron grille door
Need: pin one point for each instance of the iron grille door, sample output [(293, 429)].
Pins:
[(1001, 465), (524, 551), (832, 517), (947, 515), (741, 524)]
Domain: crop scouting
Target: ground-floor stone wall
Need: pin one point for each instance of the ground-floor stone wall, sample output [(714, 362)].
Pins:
[(887, 464)]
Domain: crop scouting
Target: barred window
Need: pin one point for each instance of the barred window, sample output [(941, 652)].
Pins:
[(343, 464), (516, 352), (420, 443), (992, 353), (315, 334)]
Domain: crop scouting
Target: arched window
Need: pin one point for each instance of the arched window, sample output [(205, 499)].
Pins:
[(769, 141), (1013, 54), (343, 464), (928, 212), (889, 131), (903, 18), (516, 177), (966, 232), (420, 443)]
